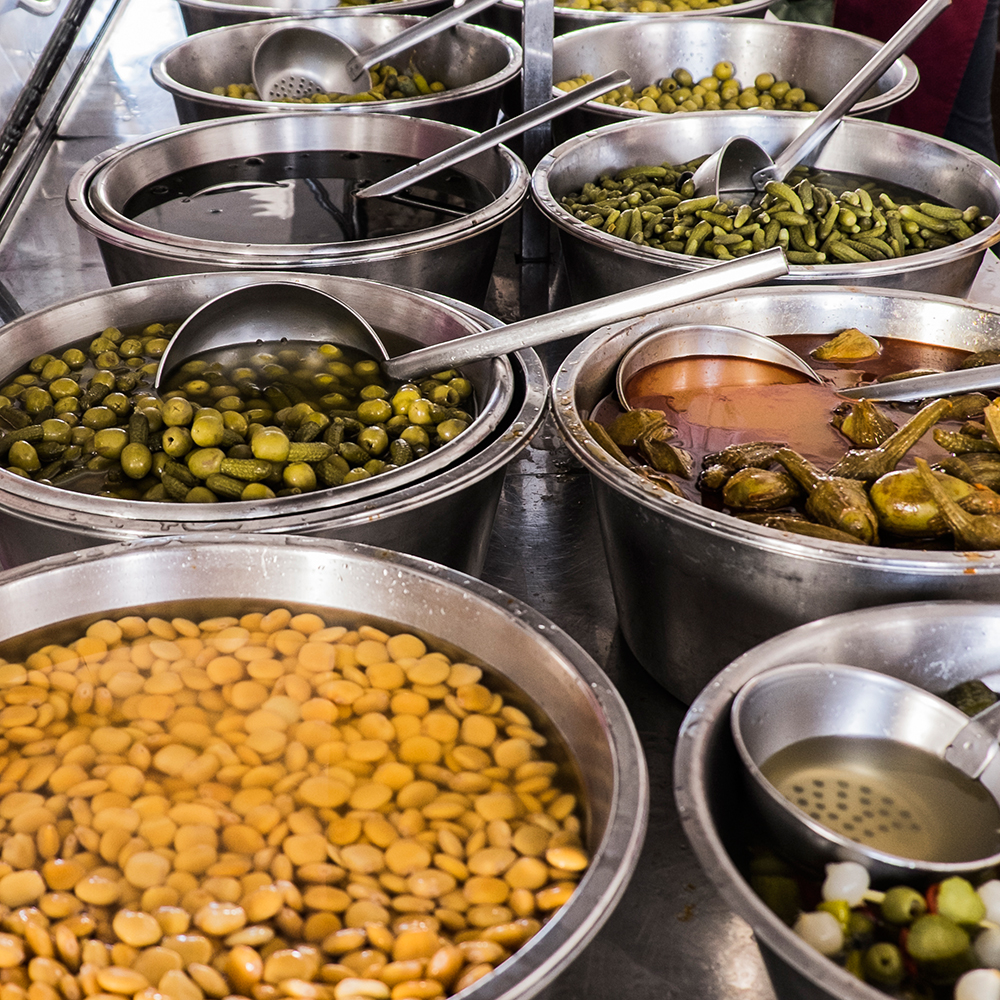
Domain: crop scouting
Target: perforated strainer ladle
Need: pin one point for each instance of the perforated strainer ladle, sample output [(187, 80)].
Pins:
[(296, 61), (847, 764)]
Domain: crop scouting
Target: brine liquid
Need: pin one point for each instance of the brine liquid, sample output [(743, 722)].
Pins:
[(300, 198), (889, 796)]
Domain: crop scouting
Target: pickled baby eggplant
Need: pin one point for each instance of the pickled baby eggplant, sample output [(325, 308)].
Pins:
[(760, 489), (848, 345), (630, 427), (655, 447), (905, 507), (833, 500), (799, 526), (863, 423), (871, 463), (971, 531)]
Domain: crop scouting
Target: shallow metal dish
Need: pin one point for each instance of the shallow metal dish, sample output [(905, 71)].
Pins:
[(818, 59), (454, 258), (204, 15), (475, 63), (455, 612), (446, 514), (506, 16), (598, 263), (694, 588), (934, 645)]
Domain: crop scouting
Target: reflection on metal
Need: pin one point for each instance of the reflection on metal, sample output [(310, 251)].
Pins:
[(27, 131), (536, 77), (9, 307), (41, 7)]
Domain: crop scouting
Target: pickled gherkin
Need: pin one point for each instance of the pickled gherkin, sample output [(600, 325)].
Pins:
[(805, 215), (271, 424)]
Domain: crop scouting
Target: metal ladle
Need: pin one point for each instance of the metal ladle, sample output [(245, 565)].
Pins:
[(742, 167), (875, 813), (734, 342), (297, 61), (268, 311)]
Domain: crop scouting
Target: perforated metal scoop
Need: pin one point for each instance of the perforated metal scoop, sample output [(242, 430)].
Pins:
[(852, 764), (296, 61)]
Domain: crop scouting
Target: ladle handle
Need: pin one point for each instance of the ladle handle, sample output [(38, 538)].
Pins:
[(976, 743), (925, 386), (828, 119), (427, 28), (749, 270), (493, 136)]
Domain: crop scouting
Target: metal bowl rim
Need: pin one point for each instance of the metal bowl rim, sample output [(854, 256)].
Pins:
[(162, 76), (640, 490), (851, 273), (738, 9), (907, 84), (109, 225), (231, 7), (690, 780), (374, 493), (614, 859)]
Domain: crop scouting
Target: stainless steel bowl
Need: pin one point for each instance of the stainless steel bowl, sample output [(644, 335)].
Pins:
[(475, 63), (506, 16), (447, 515), (819, 59), (454, 258), (934, 645), (598, 263), (456, 613), (204, 15), (694, 588)]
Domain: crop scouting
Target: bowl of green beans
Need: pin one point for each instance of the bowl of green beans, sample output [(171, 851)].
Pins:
[(878, 205)]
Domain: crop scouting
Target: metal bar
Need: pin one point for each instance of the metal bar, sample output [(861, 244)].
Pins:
[(536, 81)]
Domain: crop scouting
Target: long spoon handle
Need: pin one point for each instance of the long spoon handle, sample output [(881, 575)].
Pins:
[(493, 136), (719, 278), (828, 119), (415, 34), (925, 386)]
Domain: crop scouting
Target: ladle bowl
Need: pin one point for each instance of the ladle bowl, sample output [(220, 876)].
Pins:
[(876, 805), (297, 61), (252, 313), (697, 340)]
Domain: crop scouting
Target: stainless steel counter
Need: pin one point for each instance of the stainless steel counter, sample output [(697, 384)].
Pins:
[(671, 936)]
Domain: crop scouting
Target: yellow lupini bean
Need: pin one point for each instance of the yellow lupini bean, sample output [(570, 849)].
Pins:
[(255, 796)]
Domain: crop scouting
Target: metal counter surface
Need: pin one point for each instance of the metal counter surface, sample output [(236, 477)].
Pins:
[(671, 935)]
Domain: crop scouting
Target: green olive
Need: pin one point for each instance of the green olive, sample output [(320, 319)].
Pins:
[(136, 460), (109, 442)]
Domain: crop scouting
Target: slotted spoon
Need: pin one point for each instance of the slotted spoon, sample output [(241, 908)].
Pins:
[(295, 61)]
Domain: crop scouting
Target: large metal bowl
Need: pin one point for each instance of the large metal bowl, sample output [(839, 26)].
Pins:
[(694, 588), (530, 657), (934, 645), (475, 64), (598, 263), (454, 258), (204, 15), (819, 59), (507, 15), (446, 515)]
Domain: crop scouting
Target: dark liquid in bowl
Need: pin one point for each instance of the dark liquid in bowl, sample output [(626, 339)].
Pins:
[(712, 406), (300, 198)]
